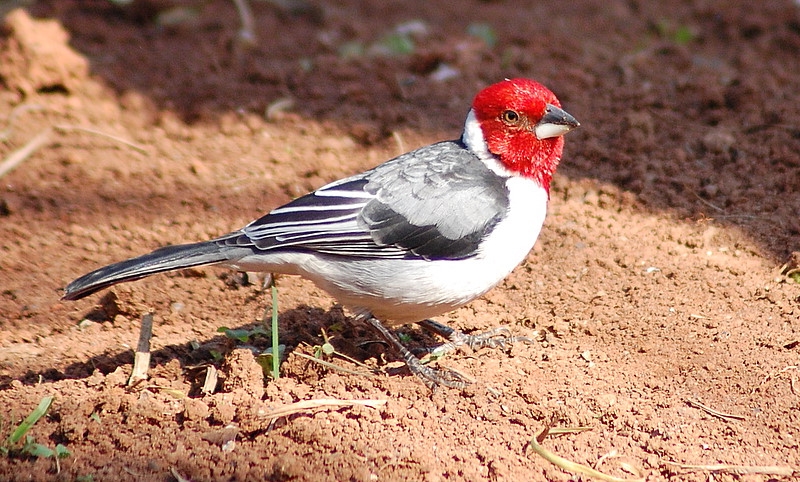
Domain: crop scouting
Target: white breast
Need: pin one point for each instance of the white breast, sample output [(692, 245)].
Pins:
[(401, 291)]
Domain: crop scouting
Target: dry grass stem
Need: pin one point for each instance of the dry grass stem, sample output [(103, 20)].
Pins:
[(177, 475), (320, 403), (334, 366), (17, 157), (574, 467), (739, 469), (24, 152), (567, 430), (16, 112), (210, 383), (715, 413), (779, 373), (401, 146), (90, 130), (141, 359)]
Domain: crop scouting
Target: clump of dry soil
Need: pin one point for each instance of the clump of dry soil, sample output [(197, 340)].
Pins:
[(656, 284)]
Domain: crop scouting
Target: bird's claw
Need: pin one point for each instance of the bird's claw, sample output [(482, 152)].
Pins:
[(499, 337), (433, 378)]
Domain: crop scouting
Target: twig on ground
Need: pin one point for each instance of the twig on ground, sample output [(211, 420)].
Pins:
[(247, 33), (16, 112), (567, 430), (724, 416), (210, 383), (707, 203), (576, 468), (321, 403), (41, 139), (779, 373), (177, 475), (278, 107), (141, 359), (399, 140), (16, 157), (327, 348), (90, 130), (172, 392), (739, 469), (333, 366)]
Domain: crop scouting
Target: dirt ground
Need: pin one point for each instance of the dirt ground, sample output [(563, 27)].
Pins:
[(662, 282)]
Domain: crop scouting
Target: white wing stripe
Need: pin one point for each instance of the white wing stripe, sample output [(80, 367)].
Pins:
[(326, 222), (317, 237), (345, 194), (329, 207), (309, 222), (272, 231)]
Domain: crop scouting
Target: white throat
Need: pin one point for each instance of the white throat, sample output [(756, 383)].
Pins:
[(475, 142)]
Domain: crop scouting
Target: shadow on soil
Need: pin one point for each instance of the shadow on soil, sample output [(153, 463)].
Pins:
[(299, 326), (688, 129)]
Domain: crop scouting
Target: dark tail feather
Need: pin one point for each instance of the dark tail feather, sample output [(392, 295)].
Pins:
[(165, 259)]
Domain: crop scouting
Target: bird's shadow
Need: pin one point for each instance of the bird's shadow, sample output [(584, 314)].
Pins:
[(303, 326)]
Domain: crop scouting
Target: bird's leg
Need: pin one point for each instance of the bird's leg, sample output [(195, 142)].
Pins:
[(499, 337), (432, 378)]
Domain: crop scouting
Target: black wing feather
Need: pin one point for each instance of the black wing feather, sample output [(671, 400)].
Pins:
[(438, 202)]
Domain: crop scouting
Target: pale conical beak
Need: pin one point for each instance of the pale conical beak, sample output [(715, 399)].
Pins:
[(556, 122)]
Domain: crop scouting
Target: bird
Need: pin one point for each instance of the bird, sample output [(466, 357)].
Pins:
[(415, 237)]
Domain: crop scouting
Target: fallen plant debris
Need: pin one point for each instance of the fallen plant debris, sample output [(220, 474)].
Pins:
[(738, 469), (306, 405), (658, 276), (724, 416), (573, 467)]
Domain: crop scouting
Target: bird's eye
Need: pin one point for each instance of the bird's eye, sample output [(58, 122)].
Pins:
[(510, 117)]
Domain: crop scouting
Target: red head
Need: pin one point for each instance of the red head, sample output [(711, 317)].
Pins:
[(523, 124)]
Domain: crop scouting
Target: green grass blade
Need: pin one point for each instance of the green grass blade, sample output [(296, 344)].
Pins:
[(30, 420), (276, 358)]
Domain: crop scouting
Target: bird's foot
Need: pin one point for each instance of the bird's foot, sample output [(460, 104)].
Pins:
[(431, 377), (499, 337)]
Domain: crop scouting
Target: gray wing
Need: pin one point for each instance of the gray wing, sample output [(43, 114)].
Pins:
[(439, 206), (437, 202)]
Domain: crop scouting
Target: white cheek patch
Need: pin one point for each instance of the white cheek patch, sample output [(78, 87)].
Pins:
[(475, 142), (473, 136), (546, 131)]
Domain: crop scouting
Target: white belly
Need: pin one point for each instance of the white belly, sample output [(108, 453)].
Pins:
[(400, 291)]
